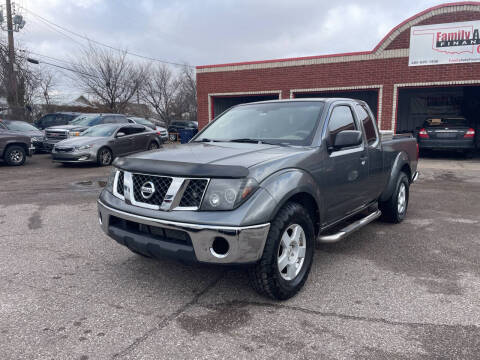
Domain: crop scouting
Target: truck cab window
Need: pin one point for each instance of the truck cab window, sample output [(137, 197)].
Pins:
[(341, 119), (368, 126)]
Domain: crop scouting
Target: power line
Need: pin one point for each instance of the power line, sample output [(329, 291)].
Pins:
[(103, 44), (60, 32)]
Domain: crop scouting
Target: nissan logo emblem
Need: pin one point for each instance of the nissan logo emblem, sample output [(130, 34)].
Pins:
[(147, 190)]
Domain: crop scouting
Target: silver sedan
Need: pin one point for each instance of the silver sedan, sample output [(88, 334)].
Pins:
[(102, 143)]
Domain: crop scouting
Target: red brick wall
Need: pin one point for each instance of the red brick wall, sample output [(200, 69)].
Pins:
[(386, 72)]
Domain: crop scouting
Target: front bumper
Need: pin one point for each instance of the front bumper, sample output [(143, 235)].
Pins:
[(190, 242), (73, 157), (447, 144)]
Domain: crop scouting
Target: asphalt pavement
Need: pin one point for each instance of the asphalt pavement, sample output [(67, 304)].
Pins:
[(67, 291)]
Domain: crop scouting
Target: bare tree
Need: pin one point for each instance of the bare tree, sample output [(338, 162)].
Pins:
[(159, 90), (47, 83), (108, 76), (186, 100)]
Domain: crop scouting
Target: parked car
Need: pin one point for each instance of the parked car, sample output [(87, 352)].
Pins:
[(55, 119), (259, 185), (162, 132), (176, 126), (448, 133), (24, 128), (79, 124), (14, 147), (102, 143)]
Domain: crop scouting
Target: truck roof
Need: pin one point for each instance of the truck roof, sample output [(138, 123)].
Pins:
[(325, 100)]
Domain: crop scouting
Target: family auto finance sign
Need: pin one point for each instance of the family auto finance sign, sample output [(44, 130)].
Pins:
[(445, 43)]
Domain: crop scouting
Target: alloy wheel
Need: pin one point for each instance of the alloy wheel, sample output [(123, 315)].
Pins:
[(291, 252), (402, 198), (16, 156)]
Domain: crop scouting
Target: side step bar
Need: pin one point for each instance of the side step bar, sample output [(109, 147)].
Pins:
[(333, 238)]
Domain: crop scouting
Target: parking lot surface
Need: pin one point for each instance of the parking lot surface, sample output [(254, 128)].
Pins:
[(67, 291)]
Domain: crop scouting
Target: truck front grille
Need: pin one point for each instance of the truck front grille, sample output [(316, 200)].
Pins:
[(194, 193), (55, 135), (120, 183), (170, 193), (160, 183)]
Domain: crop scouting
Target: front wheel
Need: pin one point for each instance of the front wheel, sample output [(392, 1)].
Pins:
[(287, 256), (15, 155), (394, 209), (104, 157)]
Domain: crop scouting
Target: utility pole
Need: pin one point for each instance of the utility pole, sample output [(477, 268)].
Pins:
[(12, 83), (15, 22)]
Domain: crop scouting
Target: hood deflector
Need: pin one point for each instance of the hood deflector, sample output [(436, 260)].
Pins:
[(182, 169)]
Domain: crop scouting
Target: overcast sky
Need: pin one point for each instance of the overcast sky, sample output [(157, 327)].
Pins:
[(214, 31)]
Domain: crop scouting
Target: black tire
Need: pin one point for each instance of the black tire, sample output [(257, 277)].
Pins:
[(15, 155), (153, 146), (265, 276), (104, 156), (391, 211)]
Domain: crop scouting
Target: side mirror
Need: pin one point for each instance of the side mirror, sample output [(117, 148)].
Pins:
[(347, 138), (120, 134)]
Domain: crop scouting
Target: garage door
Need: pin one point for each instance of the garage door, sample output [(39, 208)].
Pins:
[(415, 105), (222, 103), (369, 96)]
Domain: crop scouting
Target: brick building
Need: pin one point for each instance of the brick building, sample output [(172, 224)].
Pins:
[(401, 95)]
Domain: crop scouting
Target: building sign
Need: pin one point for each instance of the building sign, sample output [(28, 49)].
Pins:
[(452, 43)]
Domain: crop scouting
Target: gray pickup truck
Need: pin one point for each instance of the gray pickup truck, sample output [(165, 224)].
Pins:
[(14, 147), (259, 186)]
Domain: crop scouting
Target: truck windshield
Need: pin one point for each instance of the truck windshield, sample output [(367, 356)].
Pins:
[(292, 123), (85, 120)]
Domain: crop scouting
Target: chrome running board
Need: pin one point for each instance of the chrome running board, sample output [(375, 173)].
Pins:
[(333, 238)]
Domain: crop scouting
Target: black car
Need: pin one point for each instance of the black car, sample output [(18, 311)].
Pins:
[(24, 128), (448, 133), (55, 119), (176, 126)]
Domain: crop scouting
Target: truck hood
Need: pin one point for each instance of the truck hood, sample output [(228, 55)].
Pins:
[(231, 160), (30, 133)]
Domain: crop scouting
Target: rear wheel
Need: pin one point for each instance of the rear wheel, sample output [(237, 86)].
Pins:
[(394, 209), (153, 146), (287, 256), (15, 155), (104, 157)]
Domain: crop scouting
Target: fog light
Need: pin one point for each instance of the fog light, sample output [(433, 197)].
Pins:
[(219, 247), (83, 158)]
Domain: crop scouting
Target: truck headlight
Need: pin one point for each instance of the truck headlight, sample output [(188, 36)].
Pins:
[(73, 133), (227, 194), (111, 179), (37, 139), (83, 147)]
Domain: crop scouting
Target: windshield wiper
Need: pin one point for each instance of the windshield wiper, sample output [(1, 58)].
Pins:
[(207, 140), (252, 141)]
